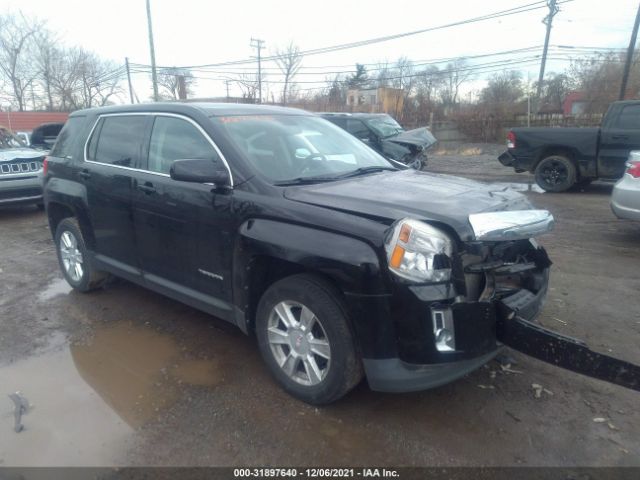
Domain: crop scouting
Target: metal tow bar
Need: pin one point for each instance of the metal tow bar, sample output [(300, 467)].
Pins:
[(565, 352)]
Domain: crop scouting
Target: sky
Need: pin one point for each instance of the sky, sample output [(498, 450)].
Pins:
[(197, 32)]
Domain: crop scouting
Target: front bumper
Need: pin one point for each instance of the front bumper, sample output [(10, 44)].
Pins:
[(26, 189), (477, 342), (625, 198)]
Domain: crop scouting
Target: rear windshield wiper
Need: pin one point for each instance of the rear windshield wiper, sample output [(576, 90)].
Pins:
[(365, 170)]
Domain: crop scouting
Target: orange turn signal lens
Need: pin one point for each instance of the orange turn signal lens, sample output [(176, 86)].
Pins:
[(397, 256), (405, 232)]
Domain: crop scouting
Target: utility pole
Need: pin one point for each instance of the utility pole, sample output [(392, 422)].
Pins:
[(126, 62), (226, 82), (154, 75), (627, 65), (258, 45), (548, 20)]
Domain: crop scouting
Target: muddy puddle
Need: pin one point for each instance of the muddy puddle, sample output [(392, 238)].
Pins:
[(87, 399)]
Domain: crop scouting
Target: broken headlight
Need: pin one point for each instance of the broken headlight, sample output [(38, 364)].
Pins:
[(419, 252)]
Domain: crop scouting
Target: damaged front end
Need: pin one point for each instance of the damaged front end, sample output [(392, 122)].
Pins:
[(457, 308), (515, 280), (409, 147)]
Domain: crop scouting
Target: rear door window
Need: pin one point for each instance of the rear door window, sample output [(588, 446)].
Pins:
[(629, 117), (116, 140), (68, 138), (174, 139)]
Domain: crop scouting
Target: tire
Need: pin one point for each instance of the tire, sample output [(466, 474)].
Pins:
[(40, 206), (313, 357), (72, 251), (555, 173)]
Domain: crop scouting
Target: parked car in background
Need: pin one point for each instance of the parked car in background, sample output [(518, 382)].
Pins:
[(45, 135), (382, 133), (20, 171), (563, 157), (625, 199)]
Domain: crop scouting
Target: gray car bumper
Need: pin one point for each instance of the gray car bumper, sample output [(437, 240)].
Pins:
[(21, 189), (625, 198), (394, 375)]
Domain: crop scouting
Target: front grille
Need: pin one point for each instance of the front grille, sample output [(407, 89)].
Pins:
[(20, 166)]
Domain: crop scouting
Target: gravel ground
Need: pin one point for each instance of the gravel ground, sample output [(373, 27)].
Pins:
[(126, 377)]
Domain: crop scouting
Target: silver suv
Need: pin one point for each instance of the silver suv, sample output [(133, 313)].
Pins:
[(20, 171)]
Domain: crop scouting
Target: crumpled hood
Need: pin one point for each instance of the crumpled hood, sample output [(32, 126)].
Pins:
[(420, 137), (410, 193), (20, 153)]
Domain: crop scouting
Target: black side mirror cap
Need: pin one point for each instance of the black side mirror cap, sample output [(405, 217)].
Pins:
[(200, 171)]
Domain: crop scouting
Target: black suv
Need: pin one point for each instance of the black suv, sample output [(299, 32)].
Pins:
[(287, 226), (382, 133)]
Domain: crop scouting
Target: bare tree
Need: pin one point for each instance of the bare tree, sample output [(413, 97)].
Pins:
[(169, 82), (404, 79), (503, 93), (46, 54), (64, 76), (598, 77), (289, 61), (554, 90), (249, 84), (453, 76), (16, 64)]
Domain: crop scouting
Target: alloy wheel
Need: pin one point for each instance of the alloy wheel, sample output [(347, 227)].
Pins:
[(554, 173), (71, 256), (299, 343)]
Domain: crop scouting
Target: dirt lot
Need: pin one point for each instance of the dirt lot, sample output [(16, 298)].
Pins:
[(126, 377)]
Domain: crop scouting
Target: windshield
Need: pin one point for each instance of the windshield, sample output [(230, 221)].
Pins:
[(9, 140), (384, 126), (288, 147)]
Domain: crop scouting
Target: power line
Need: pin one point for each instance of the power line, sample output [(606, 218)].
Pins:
[(502, 13)]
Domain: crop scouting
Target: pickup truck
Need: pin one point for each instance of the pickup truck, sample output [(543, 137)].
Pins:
[(561, 158)]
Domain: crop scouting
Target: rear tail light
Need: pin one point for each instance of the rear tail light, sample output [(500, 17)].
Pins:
[(45, 165), (511, 140), (633, 169)]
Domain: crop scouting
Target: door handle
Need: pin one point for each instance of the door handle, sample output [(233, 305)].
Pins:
[(620, 137), (147, 188), (84, 174)]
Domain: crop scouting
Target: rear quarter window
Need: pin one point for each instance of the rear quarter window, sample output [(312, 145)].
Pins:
[(68, 137)]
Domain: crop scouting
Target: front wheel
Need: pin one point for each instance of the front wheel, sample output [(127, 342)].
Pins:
[(304, 338), (74, 259), (555, 173)]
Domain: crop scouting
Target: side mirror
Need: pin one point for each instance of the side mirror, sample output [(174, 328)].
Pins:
[(200, 171)]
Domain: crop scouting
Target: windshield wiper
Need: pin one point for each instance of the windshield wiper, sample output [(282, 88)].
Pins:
[(365, 170), (303, 181)]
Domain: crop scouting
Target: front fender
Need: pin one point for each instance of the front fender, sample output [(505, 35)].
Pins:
[(351, 263)]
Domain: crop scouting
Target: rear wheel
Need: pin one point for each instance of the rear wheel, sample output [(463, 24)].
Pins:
[(555, 173), (74, 259), (305, 340)]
